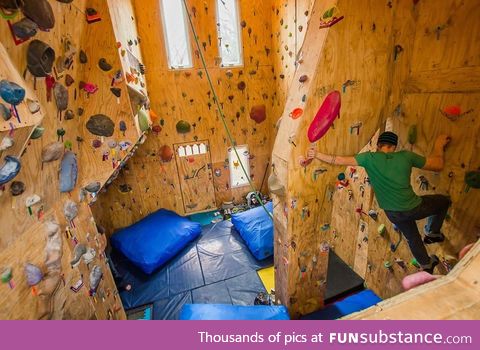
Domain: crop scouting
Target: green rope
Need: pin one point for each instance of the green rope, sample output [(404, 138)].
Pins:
[(220, 110)]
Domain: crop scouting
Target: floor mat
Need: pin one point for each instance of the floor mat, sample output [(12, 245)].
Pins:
[(267, 276), (216, 268)]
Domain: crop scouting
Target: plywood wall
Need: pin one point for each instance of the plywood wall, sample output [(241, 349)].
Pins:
[(185, 95), (21, 238), (383, 90)]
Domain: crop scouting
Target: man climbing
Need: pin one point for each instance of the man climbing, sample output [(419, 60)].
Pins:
[(389, 173)]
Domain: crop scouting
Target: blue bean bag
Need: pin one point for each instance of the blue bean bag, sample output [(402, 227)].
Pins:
[(256, 228), (154, 240), (233, 312)]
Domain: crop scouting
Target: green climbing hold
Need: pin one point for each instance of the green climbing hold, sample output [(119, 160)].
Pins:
[(37, 133), (183, 127), (328, 13), (143, 121), (412, 134), (415, 263), (381, 229), (388, 264), (472, 178)]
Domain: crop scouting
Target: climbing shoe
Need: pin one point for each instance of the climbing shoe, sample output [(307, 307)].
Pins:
[(40, 59), (434, 261), (431, 238), (78, 252), (39, 11)]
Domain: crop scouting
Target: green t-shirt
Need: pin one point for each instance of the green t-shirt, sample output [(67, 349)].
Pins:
[(389, 175)]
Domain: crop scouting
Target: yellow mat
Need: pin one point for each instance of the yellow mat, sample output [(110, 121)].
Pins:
[(268, 278)]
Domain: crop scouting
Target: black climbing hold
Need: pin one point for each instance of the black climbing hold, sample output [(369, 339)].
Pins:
[(100, 125), (83, 57), (104, 65)]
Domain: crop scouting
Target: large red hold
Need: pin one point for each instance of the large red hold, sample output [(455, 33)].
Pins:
[(166, 153), (258, 113)]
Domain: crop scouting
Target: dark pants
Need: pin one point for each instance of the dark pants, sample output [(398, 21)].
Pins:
[(434, 207)]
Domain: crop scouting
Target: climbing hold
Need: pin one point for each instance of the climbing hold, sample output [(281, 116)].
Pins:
[(96, 143), (33, 106), (325, 116), (397, 51), (116, 91), (412, 134), (11, 92), (93, 16), (69, 115), (303, 78), (52, 151), (241, 86), (100, 125), (104, 65), (258, 113), (388, 265), (40, 58), (9, 169), (183, 127), (69, 80), (143, 121), (68, 172), (5, 112), (122, 126), (373, 214), (417, 279), (243, 24), (296, 113), (25, 28), (83, 57), (156, 129), (454, 112), (6, 143), (93, 187), (95, 278), (32, 200), (7, 276), (17, 188), (70, 210), (34, 274), (472, 178), (61, 97), (166, 153), (424, 183), (39, 11), (381, 229)]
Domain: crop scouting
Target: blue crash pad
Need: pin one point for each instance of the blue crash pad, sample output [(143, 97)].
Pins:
[(347, 306), (256, 228), (233, 312), (154, 240)]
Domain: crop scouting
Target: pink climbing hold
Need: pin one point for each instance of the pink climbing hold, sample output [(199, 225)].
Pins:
[(258, 113), (329, 110), (417, 279)]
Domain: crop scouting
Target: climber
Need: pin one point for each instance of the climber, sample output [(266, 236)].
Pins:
[(389, 173)]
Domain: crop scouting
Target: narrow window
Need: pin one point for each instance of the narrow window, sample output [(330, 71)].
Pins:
[(177, 39), (229, 33), (237, 176)]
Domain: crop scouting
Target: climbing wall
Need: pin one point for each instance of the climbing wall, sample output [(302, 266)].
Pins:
[(151, 179), (29, 233), (396, 64)]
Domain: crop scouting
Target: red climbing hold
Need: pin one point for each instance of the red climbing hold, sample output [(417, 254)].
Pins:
[(325, 117), (258, 113), (296, 113)]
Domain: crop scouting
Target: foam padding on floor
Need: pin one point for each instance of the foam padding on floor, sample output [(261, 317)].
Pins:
[(354, 303), (267, 276), (216, 268)]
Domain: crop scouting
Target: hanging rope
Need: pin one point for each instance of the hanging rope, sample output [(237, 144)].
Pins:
[(220, 110)]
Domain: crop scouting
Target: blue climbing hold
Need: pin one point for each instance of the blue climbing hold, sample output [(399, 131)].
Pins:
[(12, 93), (10, 169), (68, 172)]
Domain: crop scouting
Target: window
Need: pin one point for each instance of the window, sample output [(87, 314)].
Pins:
[(175, 29), (237, 176), (229, 34)]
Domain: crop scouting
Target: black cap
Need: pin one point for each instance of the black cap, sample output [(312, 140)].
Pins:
[(389, 138)]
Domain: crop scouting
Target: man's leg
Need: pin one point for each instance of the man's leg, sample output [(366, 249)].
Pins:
[(409, 229), (435, 207)]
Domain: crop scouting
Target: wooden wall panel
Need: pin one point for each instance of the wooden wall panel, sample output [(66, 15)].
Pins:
[(185, 95), (19, 226)]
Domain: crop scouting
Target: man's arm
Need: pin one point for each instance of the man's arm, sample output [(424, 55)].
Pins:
[(331, 159), (436, 162)]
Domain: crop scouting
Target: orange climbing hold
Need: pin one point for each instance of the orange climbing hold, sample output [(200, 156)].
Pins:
[(296, 113)]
